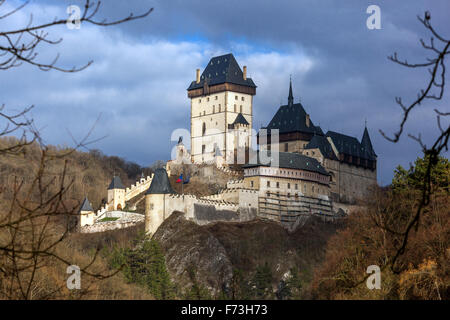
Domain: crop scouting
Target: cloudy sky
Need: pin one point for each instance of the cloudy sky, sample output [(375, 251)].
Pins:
[(137, 83)]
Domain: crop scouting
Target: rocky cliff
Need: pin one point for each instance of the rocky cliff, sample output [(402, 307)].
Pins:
[(217, 250)]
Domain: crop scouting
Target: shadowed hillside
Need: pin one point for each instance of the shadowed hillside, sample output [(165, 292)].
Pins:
[(219, 252), (91, 172)]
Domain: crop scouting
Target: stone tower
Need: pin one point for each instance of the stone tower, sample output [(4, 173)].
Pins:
[(116, 194), (221, 100), (155, 200), (86, 214)]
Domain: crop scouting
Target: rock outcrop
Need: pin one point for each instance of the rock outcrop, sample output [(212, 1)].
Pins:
[(215, 250)]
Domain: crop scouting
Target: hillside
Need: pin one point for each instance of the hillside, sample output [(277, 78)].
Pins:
[(216, 253), (89, 172)]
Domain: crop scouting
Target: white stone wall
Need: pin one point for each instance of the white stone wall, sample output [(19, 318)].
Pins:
[(216, 111), (140, 186)]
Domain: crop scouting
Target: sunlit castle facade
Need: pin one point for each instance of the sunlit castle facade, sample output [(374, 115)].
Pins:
[(221, 111)]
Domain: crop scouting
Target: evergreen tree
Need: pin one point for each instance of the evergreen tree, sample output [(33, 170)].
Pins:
[(146, 266), (197, 291), (262, 282), (414, 177)]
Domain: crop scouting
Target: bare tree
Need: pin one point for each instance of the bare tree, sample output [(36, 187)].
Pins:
[(439, 48), (36, 216)]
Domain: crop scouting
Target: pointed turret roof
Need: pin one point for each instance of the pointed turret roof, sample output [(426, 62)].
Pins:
[(116, 183), (240, 119), (222, 69), (160, 183), (367, 145), (290, 97), (292, 118), (86, 206)]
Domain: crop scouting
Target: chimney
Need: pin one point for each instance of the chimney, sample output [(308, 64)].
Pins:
[(198, 76), (307, 120), (245, 72)]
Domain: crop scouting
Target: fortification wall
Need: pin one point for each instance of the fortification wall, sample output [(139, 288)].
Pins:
[(125, 220), (137, 188), (355, 182)]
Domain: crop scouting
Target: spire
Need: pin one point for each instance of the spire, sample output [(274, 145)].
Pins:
[(116, 183), (160, 183), (86, 205), (291, 97), (367, 144)]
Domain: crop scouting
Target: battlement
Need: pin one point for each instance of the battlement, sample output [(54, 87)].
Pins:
[(140, 186)]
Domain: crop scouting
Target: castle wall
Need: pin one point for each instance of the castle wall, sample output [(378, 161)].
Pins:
[(86, 218), (137, 188), (355, 182), (216, 111), (292, 146)]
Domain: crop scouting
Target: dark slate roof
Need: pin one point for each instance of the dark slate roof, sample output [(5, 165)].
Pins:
[(292, 118), (240, 119), (322, 143), (348, 145), (160, 183), (290, 160), (367, 146), (86, 206), (116, 183), (220, 70)]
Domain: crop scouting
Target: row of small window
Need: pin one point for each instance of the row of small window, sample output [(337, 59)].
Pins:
[(220, 109), (289, 186), (217, 98)]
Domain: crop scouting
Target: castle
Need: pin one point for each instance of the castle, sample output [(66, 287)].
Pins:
[(297, 171)]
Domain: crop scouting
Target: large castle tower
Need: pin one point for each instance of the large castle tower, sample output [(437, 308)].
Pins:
[(221, 110)]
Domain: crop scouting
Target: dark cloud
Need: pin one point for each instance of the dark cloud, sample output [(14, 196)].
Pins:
[(141, 71)]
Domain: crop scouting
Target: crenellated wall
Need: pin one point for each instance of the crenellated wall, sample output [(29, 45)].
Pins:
[(140, 186)]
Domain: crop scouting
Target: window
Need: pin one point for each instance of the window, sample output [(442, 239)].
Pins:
[(214, 109), (296, 186), (278, 184), (288, 195), (289, 185), (312, 189), (235, 97), (220, 108), (216, 98), (234, 108), (242, 98), (240, 109), (286, 147), (251, 184), (268, 183), (203, 129), (199, 100), (203, 148), (207, 99), (304, 188)]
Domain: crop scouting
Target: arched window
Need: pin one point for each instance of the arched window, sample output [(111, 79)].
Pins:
[(203, 129)]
